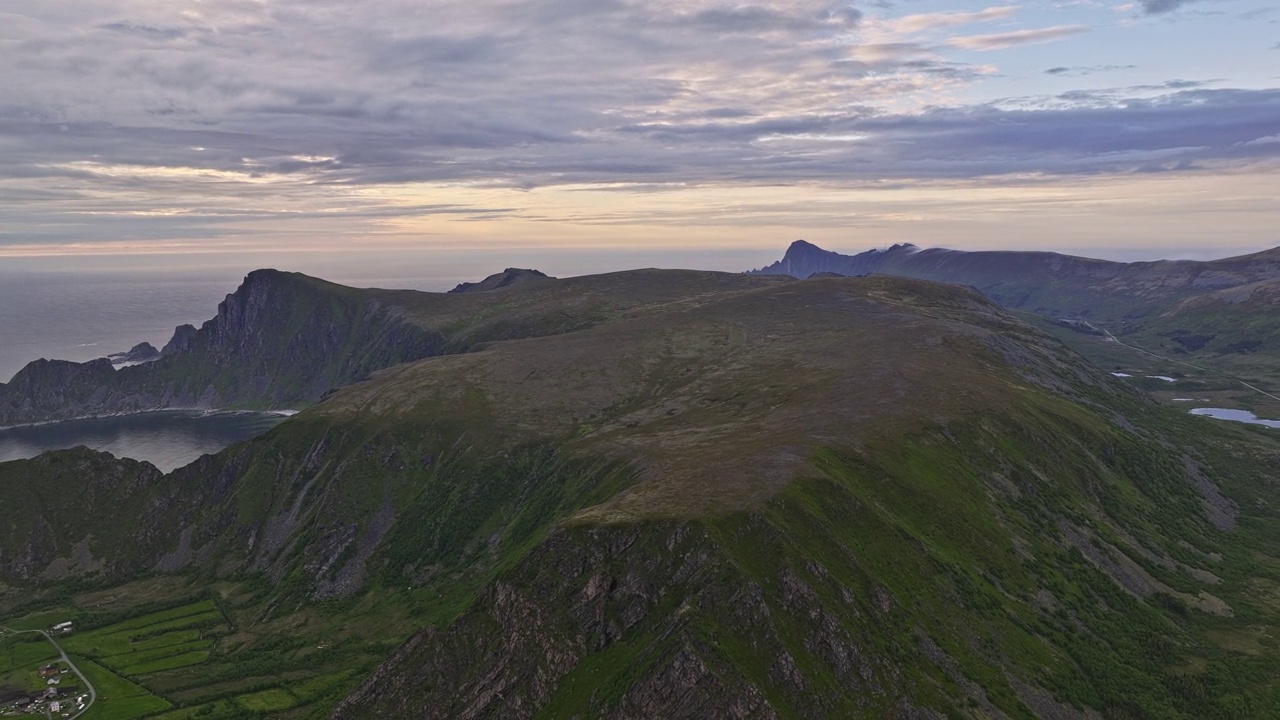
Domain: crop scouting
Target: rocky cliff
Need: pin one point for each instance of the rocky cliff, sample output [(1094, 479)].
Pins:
[(280, 340)]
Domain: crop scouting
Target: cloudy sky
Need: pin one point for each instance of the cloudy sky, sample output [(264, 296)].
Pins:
[(1123, 129)]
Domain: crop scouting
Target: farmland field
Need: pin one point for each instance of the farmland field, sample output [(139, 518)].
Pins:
[(189, 660)]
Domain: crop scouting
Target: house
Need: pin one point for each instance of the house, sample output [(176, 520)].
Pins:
[(55, 680), (63, 628), (55, 706), (48, 671)]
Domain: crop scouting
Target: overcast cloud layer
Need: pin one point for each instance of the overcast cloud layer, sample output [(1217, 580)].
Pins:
[(218, 123)]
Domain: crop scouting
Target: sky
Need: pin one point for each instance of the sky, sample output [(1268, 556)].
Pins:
[(634, 131)]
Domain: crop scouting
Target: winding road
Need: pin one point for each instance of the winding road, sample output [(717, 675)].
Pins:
[(84, 681)]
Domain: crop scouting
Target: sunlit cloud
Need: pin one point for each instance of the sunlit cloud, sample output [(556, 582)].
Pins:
[(227, 121)]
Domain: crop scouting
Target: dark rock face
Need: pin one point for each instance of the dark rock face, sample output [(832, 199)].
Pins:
[(280, 339), (506, 278)]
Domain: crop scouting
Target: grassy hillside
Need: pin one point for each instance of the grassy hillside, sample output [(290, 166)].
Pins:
[(669, 494), (1042, 563)]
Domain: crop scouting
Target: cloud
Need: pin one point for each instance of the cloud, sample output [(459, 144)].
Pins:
[(1001, 41), (912, 24), (144, 119), (1081, 71), (1160, 7)]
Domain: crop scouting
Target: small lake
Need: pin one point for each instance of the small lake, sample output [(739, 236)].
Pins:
[(167, 439), (1243, 416)]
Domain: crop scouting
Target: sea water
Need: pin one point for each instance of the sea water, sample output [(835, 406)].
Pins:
[(167, 439)]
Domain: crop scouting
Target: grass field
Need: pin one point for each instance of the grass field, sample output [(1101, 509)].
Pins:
[(189, 661), (118, 698)]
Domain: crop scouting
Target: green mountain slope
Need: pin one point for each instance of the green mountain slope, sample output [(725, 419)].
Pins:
[(671, 494)]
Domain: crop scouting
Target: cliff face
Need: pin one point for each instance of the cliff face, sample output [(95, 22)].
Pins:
[(281, 339), (1043, 282)]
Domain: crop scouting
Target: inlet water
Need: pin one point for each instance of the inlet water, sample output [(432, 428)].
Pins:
[(1243, 416), (167, 439)]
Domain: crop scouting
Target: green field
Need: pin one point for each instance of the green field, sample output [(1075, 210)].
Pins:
[(184, 661), (20, 656)]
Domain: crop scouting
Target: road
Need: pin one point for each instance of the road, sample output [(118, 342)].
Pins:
[(84, 681), (1114, 339)]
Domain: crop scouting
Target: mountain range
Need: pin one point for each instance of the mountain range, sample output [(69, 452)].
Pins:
[(1044, 282), (671, 494)]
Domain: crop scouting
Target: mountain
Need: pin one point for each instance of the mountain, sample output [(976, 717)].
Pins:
[(679, 494), (1044, 282), (283, 340)]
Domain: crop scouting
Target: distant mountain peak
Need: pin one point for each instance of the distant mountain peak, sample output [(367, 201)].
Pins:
[(506, 278), (800, 245)]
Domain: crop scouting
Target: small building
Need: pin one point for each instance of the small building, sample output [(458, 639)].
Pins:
[(55, 706), (63, 628), (55, 680), (48, 671)]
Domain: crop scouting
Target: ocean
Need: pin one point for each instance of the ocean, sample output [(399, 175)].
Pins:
[(79, 309)]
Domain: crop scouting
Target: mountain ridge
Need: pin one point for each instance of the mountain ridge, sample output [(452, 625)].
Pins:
[(1044, 282)]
